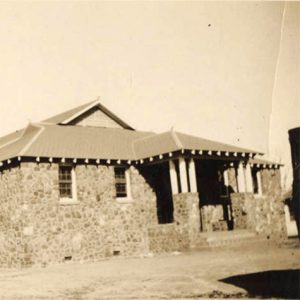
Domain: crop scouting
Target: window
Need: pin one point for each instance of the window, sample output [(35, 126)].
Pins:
[(121, 182), (65, 181), (67, 184)]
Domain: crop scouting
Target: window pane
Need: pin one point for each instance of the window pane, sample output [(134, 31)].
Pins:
[(120, 182), (120, 173), (65, 181), (121, 187)]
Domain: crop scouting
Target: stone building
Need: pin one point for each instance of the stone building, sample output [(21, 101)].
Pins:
[(84, 185)]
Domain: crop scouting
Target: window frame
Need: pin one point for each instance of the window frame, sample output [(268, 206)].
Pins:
[(72, 198), (124, 181)]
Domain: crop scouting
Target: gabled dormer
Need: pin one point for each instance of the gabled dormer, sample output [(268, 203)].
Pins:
[(91, 114)]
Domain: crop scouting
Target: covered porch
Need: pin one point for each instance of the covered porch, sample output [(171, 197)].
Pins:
[(211, 179), (206, 187), (214, 179)]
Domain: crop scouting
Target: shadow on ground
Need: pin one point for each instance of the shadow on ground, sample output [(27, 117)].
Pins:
[(269, 284)]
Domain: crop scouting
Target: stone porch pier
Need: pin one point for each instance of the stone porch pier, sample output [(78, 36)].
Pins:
[(187, 218), (185, 201)]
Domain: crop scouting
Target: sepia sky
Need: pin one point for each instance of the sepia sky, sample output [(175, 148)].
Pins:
[(213, 69)]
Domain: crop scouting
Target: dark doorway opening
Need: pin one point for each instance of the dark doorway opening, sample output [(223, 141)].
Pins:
[(254, 180), (215, 203), (158, 177)]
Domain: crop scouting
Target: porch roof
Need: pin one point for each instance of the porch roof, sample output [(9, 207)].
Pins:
[(173, 141), (261, 161)]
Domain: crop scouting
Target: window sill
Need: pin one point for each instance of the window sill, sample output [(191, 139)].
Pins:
[(68, 201), (124, 200)]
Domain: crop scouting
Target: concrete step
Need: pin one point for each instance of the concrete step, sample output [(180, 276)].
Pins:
[(201, 244), (292, 242), (226, 238)]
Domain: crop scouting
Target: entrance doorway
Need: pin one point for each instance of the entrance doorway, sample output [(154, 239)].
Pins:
[(215, 204)]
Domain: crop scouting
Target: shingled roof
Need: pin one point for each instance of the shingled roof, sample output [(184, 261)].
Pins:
[(55, 138)]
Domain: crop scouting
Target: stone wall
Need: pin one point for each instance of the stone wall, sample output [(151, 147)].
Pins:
[(265, 213), (181, 235), (271, 181), (11, 225), (164, 238), (212, 217), (37, 229), (187, 218), (242, 211)]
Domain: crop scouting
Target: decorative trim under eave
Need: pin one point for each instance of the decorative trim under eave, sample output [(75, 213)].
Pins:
[(226, 156)]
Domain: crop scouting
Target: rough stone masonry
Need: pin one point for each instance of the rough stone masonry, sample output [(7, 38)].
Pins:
[(36, 229)]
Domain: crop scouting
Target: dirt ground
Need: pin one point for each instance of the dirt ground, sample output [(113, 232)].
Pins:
[(254, 270)]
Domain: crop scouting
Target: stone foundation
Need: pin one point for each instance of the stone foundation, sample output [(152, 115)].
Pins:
[(164, 238)]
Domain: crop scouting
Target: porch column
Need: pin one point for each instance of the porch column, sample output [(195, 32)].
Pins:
[(241, 178), (173, 177), (183, 175), (258, 176), (232, 178), (225, 175), (249, 183), (192, 176)]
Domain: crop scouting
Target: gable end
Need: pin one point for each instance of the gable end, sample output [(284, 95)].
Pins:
[(95, 117)]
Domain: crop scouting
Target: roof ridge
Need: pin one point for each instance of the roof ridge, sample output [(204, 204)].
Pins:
[(173, 134), (133, 150), (242, 148), (45, 123), (85, 109), (34, 138), (70, 115), (18, 138), (176, 139), (116, 118), (11, 142), (68, 112), (147, 137), (141, 139)]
